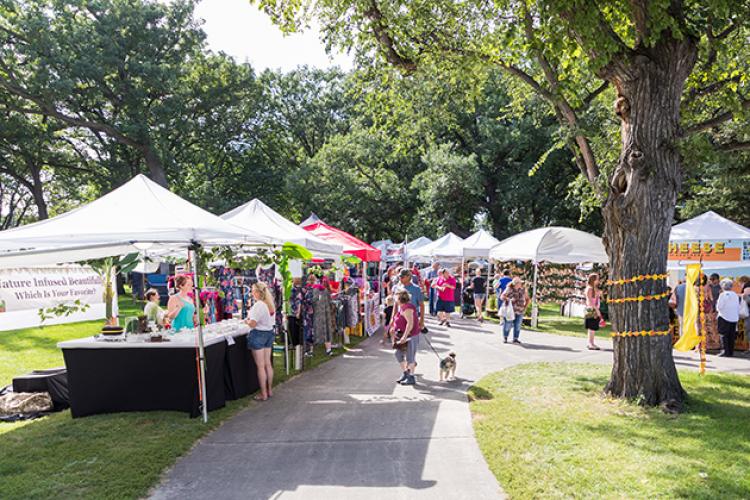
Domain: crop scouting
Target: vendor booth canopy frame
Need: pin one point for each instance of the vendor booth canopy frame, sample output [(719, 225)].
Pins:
[(479, 244), (258, 217), (138, 216), (557, 245), (351, 244), (448, 248), (707, 228)]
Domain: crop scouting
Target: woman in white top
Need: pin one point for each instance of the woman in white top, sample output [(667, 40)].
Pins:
[(728, 312), (260, 338)]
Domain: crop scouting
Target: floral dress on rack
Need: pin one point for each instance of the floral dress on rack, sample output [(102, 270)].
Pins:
[(308, 315)]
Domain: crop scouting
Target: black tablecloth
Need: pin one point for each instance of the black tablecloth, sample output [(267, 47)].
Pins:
[(240, 372), (107, 380)]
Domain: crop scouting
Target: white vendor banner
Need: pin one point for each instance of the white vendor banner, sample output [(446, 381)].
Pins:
[(24, 291)]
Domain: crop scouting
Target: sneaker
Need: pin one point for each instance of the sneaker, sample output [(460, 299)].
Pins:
[(448, 324), (329, 353), (505, 340), (409, 380), (516, 341), (404, 376)]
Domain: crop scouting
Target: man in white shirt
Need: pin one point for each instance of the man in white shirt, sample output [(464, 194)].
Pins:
[(728, 312)]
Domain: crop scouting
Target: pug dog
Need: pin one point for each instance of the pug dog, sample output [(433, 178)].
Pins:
[(448, 367)]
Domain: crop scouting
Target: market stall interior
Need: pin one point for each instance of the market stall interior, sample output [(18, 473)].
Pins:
[(722, 248), (558, 245), (138, 217)]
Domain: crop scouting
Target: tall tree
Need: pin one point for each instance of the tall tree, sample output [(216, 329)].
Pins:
[(356, 182), (568, 52), (35, 151), (111, 66), (15, 202)]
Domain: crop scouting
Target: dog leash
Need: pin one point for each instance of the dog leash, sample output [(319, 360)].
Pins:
[(431, 346)]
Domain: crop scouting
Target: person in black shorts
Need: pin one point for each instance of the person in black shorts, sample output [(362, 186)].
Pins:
[(478, 288)]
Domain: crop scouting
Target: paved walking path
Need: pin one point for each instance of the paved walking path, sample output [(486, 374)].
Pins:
[(346, 431)]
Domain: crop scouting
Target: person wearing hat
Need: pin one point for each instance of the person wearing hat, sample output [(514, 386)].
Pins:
[(415, 293), (516, 293)]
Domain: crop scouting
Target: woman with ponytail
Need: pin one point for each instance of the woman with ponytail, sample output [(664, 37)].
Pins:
[(260, 339)]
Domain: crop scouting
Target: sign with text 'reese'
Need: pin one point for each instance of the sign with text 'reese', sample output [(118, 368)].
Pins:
[(23, 291)]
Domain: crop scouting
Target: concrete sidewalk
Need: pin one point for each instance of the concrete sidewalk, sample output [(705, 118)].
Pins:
[(345, 430)]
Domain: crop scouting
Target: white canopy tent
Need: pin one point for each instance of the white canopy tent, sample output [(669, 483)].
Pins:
[(418, 243), (558, 245), (447, 248), (709, 229), (138, 216), (479, 244), (255, 216)]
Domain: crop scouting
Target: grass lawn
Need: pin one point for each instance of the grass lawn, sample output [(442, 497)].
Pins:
[(102, 456), (547, 432), (550, 321)]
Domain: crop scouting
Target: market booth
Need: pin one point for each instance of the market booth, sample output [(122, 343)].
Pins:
[(132, 372), (722, 247), (477, 246), (557, 245), (368, 300)]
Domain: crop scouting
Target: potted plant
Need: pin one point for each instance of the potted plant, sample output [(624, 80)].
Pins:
[(108, 269)]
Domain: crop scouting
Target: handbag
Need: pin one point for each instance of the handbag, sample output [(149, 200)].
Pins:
[(744, 309), (591, 313), (506, 311), (399, 347)]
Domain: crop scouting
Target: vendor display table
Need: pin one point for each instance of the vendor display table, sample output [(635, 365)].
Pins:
[(107, 377)]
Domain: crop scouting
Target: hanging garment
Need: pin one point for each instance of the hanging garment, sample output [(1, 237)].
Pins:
[(225, 278), (351, 302), (324, 320), (308, 315)]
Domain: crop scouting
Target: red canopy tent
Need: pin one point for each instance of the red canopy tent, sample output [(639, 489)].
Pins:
[(352, 245)]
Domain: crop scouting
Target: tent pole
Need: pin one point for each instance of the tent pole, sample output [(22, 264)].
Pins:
[(534, 305), (489, 278), (201, 345)]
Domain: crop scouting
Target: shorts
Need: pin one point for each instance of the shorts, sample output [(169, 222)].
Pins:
[(260, 339), (410, 355), (592, 324), (480, 296), (445, 306)]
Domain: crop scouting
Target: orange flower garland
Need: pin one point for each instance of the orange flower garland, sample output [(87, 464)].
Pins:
[(639, 298), (642, 333), (641, 277)]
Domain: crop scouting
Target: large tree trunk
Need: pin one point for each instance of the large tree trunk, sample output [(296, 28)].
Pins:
[(155, 167), (638, 216), (37, 191)]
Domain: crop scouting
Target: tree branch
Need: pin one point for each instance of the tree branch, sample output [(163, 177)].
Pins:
[(50, 110), (708, 89), (734, 146), (386, 41), (586, 101), (639, 9), (722, 117)]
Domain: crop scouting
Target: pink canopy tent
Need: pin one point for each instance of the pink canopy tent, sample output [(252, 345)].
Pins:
[(352, 245)]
